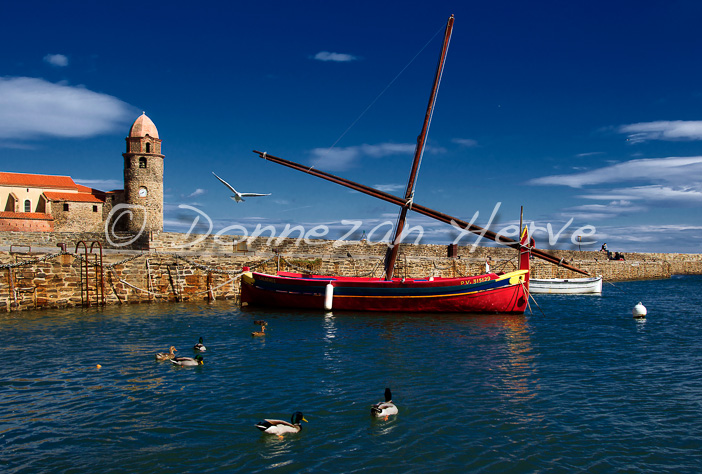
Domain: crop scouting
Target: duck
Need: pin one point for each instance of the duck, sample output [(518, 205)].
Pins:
[(386, 408), (200, 346), (262, 332), (280, 427), (188, 361), (167, 355)]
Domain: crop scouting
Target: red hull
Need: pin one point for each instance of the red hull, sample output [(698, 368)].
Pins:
[(489, 293)]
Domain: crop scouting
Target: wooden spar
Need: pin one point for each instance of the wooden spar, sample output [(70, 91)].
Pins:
[(419, 209), (391, 255)]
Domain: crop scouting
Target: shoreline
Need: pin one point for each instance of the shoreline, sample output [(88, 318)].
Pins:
[(35, 271)]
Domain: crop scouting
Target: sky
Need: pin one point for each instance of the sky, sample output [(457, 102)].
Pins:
[(584, 114)]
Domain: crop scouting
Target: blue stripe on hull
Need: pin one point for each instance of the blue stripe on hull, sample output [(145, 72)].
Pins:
[(378, 291)]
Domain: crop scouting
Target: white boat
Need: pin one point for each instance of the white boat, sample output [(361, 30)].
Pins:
[(573, 286)]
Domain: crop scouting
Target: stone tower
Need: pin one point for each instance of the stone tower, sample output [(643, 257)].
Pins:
[(143, 177)]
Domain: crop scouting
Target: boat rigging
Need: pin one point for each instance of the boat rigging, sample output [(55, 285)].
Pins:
[(408, 202)]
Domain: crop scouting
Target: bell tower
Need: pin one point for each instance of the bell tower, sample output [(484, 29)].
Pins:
[(143, 177)]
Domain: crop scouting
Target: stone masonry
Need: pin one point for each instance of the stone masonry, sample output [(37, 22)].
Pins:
[(35, 271)]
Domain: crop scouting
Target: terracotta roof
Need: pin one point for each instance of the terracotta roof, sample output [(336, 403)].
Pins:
[(26, 215), (37, 181), (94, 192), (72, 197), (143, 126)]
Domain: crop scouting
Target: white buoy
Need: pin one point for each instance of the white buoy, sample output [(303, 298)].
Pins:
[(639, 311), (328, 296)]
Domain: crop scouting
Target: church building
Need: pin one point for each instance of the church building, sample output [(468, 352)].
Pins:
[(45, 203)]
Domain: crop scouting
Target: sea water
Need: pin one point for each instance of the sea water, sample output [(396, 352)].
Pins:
[(578, 385)]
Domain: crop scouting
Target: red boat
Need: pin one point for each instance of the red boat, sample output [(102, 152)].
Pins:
[(488, 293)]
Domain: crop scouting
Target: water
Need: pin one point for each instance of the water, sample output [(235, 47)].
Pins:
[(582, 387)]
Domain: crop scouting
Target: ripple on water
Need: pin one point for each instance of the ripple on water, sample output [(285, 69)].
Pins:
[(582, 387)]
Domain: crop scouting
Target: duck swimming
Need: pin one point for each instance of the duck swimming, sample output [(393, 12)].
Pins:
[(386, 408), (200, 346), (280, 427), (167, 355), (262, 332), (188, 361)]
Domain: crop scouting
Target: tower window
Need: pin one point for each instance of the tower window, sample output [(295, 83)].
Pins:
[(148, 148), (127, 162), (27, 206), (142, 162), (65, 207)]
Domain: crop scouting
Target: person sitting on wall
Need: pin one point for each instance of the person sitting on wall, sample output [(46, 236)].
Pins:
[(604, 247)]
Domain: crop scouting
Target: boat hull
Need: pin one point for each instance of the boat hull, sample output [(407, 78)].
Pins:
[(489, 293), (573, 286)]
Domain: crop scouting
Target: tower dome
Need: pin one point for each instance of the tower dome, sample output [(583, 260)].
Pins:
[(142, 127)]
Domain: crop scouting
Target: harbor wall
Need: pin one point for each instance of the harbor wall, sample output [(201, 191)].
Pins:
[(55, 270)]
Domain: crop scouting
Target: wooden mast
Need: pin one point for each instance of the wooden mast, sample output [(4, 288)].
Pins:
[(391, 254), (408, 203), (440, 216)]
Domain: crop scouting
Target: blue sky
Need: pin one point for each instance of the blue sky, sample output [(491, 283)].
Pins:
[(587, 111)]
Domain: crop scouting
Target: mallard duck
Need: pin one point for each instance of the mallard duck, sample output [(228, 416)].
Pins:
[(262, 332), (386, 408), (280, 427), (166, 355), (188, 361), (200, 346)]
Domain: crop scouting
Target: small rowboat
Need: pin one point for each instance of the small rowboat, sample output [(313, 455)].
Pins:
[(574, 286)]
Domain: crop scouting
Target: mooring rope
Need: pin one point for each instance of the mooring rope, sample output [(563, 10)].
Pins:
[(529, 295), (295, 267), (237, 274), (33, 261), (307, 270), (125, 282)]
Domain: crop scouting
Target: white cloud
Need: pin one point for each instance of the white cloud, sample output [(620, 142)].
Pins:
[(58, 60), (100, 184), (388, 188), (336, 159), (33, 108), (651, 193), (465, 142), (675, 238), (590, 212), (336, 57), (663, 130), (197, 192), (675, 170)]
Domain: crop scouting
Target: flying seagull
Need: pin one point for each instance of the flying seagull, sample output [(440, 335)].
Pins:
[(238, 197)]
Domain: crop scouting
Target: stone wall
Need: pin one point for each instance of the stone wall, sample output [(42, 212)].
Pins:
[(49, 241), (80, 216), (177, 267), (9, 224)]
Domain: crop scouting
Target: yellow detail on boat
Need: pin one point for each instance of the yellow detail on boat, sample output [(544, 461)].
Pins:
[(248, 277), (514, 277)]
